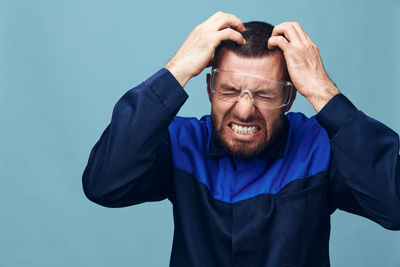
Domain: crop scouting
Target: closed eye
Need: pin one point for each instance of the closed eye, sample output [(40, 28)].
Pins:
[(264, 96), (230, 91)]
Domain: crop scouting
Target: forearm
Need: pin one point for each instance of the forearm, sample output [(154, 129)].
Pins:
[(127, 148), (366, 153)]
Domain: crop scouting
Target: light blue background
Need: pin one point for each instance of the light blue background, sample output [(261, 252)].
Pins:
[(63, 66)]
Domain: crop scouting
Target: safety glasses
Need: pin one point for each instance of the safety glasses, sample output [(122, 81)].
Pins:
[(263, 92)]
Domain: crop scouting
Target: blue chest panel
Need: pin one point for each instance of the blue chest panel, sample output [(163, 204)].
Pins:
[(231, 179)]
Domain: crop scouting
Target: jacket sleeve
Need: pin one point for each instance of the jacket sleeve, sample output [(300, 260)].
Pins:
[(131, 163), (365, 163)]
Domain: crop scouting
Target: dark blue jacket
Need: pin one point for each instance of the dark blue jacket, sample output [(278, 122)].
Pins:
[(272, 210)]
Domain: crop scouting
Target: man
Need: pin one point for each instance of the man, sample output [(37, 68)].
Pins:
[(250, 185)]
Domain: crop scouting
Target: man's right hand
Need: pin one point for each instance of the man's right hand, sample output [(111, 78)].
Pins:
[(197, 51)]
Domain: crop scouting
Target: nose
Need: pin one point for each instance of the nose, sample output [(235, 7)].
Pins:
[(244, 106)]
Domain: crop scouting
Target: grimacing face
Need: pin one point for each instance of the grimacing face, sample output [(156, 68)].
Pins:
[(263, 125)]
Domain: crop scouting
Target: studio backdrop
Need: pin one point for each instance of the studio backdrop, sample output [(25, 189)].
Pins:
[(63, 66)]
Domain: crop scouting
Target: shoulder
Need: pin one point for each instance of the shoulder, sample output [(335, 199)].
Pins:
[(301, 126), (189, 142), (190, 130), (183, 124), (308, 140)]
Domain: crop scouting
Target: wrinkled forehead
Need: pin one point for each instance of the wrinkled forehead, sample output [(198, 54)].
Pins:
[(271, 66)]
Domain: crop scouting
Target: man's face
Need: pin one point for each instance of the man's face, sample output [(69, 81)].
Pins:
[(243, 128)]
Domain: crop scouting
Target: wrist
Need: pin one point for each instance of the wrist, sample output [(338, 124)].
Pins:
[(325, 92), (180, 75)]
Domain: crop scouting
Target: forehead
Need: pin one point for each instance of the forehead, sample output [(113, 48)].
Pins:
[(269, 66)]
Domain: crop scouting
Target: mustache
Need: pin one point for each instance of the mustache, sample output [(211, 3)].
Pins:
[(248, 120)]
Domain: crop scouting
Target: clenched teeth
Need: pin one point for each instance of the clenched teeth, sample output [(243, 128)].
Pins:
[(244, 130)]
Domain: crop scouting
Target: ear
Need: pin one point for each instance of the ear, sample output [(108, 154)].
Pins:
[(287, 108), (208, 78)]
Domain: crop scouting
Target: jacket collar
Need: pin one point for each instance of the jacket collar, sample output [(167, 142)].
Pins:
[(275, 151)]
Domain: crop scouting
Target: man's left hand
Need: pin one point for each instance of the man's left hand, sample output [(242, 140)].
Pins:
[(304, 63)]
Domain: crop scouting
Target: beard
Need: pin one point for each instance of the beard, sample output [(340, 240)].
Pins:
[(242, 148)]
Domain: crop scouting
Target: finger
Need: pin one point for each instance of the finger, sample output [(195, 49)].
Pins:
[(221, 20), (303, 35), (230, 34), (278, 41), (307, 37), (288, 30)]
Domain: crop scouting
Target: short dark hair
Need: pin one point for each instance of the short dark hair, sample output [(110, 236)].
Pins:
[(256, 35)]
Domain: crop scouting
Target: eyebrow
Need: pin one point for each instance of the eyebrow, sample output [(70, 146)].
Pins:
[(264, 90), (228, 86)]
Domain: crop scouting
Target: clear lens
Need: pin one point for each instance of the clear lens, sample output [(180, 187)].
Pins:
[(263, 92)]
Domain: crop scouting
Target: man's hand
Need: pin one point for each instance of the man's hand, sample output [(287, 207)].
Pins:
[(197, 51), (304, 63)]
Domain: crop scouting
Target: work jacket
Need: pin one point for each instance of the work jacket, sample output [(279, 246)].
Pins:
[(270, 210)]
